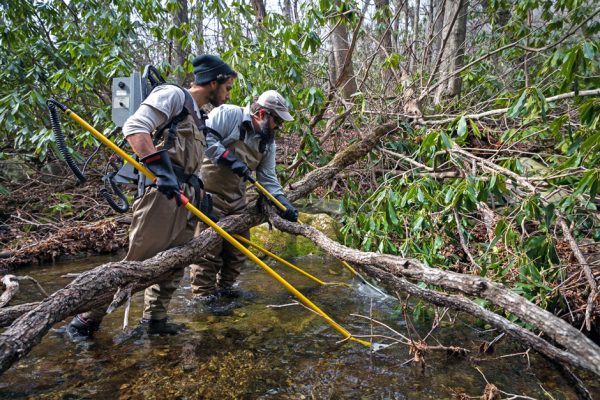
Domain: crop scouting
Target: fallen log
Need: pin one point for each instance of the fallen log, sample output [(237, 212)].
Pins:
[(461, 303), (9, 314), (582, 351), (324, 175), (98, 286), (11, 284)]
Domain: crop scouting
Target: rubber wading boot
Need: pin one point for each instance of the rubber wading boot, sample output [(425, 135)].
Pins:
[(161, 327), (79, 329), (229, 292)]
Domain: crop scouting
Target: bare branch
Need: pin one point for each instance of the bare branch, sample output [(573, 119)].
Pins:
[(463, 242)]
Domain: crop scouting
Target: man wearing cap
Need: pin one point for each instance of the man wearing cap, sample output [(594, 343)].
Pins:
[(240, 140), (167, 132)]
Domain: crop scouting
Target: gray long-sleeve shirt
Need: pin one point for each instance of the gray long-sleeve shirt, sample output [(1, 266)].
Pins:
[(226, 120)]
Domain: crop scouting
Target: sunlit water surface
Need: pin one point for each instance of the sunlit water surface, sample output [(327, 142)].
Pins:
[(270, 348)]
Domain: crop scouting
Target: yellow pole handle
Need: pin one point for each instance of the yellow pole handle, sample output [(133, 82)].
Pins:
[(345, 264), (190, 207), (269, 196)]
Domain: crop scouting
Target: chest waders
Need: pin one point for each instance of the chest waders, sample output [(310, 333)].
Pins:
[(165, 137), (238, 145), (52, 104)]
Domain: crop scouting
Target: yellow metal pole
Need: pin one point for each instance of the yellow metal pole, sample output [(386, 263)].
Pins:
[(286, 263), (345, 264), (269, 196), (190, 207)]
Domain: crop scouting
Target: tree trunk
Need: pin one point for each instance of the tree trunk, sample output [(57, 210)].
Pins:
[(438, 8), (413, 45), (344, 71), (286, 8), (198, 23), (406, 21), (259, 8), (181, 20), (453, 52), (386, 46), (396, 28)]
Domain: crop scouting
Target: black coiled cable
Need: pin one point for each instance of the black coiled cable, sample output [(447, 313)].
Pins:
[(60, 139), (122, 206)]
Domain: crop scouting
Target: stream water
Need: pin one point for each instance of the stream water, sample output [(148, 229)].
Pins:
[(269, 348)]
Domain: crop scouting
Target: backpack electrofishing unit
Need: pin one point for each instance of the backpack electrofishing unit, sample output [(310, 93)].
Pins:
[(128, 93)]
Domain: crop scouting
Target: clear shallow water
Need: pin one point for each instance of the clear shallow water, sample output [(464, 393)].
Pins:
[(260, 351)]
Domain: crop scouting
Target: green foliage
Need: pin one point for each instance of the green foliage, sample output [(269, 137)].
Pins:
[(414, 215), (274, 56), (72, 51), (64, 206), (68, 50)]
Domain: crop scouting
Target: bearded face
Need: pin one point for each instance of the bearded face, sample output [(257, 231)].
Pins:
[(266, 133), (220, 94)]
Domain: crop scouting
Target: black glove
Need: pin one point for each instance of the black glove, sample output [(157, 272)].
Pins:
[(159, 164), (291, 214), (237, 166)]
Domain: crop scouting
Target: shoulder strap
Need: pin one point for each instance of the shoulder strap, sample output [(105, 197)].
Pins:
[(214, 132), (171, 125), (244, 128), (244, 125), (188, 105)]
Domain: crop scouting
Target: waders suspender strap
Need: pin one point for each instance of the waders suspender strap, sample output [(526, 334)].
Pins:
[(171, 126), (244, 127), (213, 132)]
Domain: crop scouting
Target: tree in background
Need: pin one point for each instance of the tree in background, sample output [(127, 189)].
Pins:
[(181, 46), (342, 72)]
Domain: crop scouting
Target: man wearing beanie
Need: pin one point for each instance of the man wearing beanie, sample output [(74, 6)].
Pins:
[(240, 141), (167, 132)]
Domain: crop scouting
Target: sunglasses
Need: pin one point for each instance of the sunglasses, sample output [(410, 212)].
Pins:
[(278, 121)]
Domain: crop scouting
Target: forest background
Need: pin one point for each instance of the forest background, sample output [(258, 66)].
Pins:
[(488, 165)]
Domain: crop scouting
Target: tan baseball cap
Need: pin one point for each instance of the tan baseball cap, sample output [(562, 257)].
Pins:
[(273, 101)]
